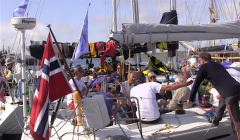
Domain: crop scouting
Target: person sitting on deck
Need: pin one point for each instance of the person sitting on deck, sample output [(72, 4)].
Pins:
[(186, 72), (78, 74), (182, 94), (110, 102), (129, 84), (146, 95), (117, 74), (161, 99)]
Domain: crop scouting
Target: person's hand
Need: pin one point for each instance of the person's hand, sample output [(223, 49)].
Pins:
[(189, 102)]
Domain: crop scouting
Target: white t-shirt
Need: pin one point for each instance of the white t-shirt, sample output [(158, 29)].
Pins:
[(146, 95), (126, 87), (196, 102), (193, 61), (80, 85)]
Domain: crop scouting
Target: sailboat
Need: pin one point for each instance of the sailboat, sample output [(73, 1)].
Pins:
[(192, 124)]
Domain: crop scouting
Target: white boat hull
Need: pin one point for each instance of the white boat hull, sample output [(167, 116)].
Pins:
[(11, 119), (191, 126)]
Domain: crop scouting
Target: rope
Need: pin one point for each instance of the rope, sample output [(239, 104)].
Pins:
[(168, 127)]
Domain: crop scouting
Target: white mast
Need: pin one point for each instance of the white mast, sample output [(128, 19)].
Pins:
[(175, 58), (23, 24), (114, 29), (135, 17)]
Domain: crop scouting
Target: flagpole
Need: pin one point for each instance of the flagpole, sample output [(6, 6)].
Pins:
[(68, 69), (64, 60), (71, 62)]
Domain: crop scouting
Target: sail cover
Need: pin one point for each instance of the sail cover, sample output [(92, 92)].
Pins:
[(141, 33)]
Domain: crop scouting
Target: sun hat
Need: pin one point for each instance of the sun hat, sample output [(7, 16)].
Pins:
[(9, 61)]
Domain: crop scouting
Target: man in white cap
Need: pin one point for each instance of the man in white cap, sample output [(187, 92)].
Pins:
[(16, 70)]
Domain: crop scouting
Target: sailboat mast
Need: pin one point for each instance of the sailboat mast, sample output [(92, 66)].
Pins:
[(135, 17), (212, 17), (114, 29), (173, 4)]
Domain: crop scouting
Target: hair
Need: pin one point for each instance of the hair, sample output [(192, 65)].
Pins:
[(132, 72), (188, 69), (205, 56), (139, 78), (119, 64), (114, 91), (179, 79), (151, 74), (77, 69)]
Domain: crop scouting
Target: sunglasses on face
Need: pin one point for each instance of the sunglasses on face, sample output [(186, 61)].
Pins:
[(152, 77), (118, 68)]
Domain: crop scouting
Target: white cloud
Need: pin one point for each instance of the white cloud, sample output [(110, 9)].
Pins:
[(62, 32)]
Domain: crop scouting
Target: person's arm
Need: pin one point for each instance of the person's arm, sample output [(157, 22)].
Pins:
[(110, 80), (114, 111), (174, 86), (84, 92), (202, 74)]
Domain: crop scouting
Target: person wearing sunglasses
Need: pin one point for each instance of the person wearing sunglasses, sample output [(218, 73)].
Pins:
[(78, 74), (151, 77)]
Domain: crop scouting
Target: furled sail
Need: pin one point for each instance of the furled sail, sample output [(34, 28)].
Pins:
[(141, 33)]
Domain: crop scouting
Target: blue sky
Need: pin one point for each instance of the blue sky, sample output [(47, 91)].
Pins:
[(66, 16)]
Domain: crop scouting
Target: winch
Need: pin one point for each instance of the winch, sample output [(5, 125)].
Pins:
[(180, 109), (205, 101)]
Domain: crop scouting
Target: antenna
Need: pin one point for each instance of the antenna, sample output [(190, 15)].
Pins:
[(22, 24)]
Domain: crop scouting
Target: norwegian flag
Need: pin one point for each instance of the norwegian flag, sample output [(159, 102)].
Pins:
[(51, 85)]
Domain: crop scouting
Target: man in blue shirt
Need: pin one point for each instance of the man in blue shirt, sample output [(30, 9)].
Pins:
[(110, 102)]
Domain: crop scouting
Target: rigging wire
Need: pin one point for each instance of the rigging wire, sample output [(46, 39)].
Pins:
[(198, 11), (38, 19), (231, 16), (194, 10), (235, 7), (222, 10), (189, 12), (40, 12), (30, 4), (161, 5), (203, 10)]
